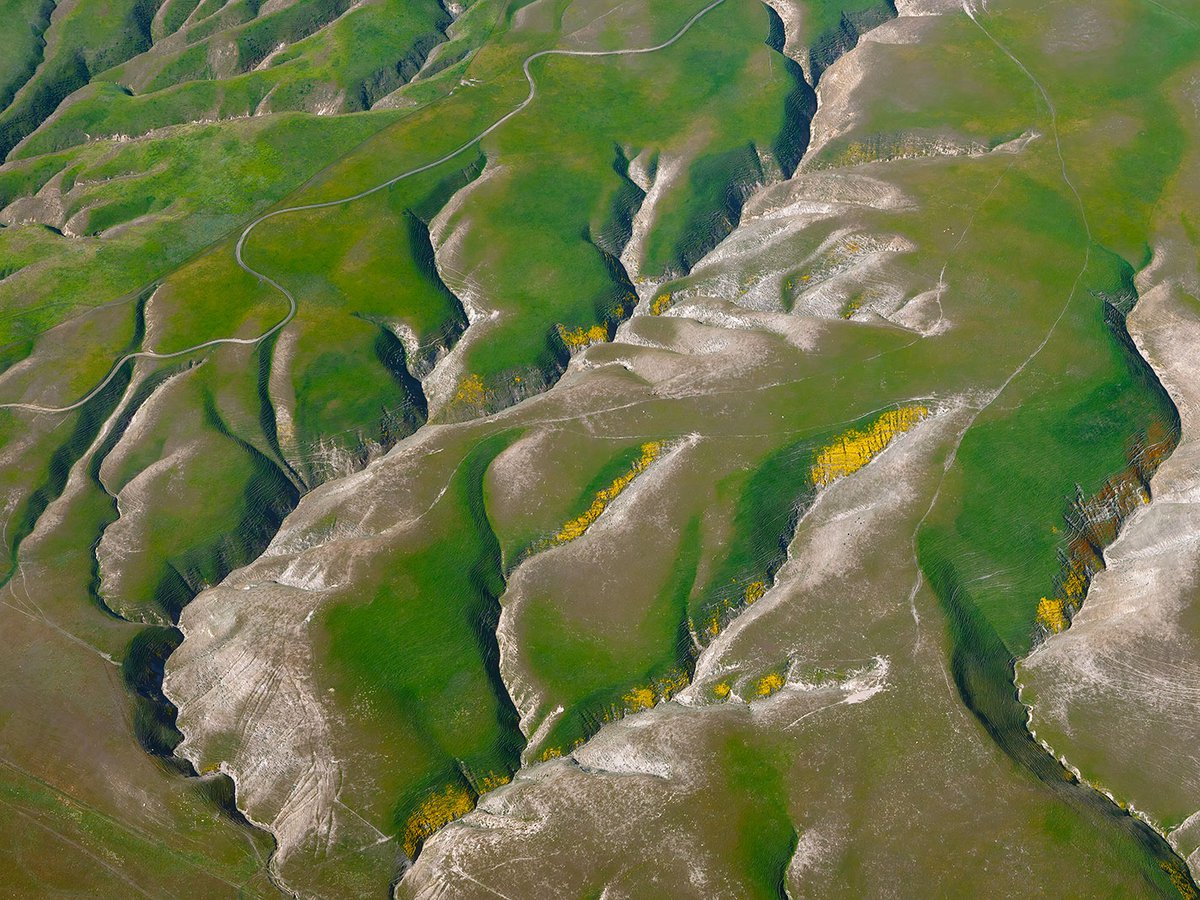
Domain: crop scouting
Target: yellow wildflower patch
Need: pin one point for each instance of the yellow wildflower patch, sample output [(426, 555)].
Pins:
[(769, 684), (671, 684), (662, 688), (855, 448), (575, 528), (1075, 584), (755, 591), (661, 303), (1051, 614), (438, 810), (714, 626), (721, 689), (582, 337), (551, 753), (470, 390), (640, 698)]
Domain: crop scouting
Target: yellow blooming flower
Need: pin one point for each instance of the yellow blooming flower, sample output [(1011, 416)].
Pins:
[(640, 698), (582, 337), (575, 528), (436, 811), (769, 684), (471, 390), (1051, 614), (855, 448)]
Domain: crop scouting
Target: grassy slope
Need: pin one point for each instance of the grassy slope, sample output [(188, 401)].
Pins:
[(24, 21), (74, 669), (340, 263), (347, 65), (83, 39), (1011, 518), (421, 655), (558, 179)]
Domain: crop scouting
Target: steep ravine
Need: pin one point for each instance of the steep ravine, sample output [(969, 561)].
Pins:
[(76, 498), (1124, 673), (797, 137)]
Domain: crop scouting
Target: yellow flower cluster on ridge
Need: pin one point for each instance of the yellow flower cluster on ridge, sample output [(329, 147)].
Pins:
[(437, 810), (582, 337), (1179, 880), (769, 684), (492, 780), (661, 303), (471, 390), (753, 592), (640, 698), (575, 528), (646, 696), (1051, 614), (855, 448)]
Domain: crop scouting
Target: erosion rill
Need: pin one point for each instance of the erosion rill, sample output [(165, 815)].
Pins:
[(716, 448)]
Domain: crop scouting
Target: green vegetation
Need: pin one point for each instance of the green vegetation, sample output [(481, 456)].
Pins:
[(420, 658), (556, 186), (441, 428), (364, 54), (174, 195), (1014, 516)]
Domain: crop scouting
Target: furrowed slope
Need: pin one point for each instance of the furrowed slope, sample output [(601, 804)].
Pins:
[(661, 486)]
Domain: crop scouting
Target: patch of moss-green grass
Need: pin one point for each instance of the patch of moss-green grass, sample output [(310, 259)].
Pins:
[(416, 662), (200, 182), (351, 63), (599, 677), (1046, 440), (22, 26), (765, 837), (85, 38)]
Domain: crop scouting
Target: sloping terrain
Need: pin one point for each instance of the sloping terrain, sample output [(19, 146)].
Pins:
[(593, 448)]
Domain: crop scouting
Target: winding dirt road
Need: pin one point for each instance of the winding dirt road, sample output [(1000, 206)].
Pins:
[(291, 312)]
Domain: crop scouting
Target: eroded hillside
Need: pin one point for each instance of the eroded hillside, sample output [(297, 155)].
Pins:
[(599, 448)]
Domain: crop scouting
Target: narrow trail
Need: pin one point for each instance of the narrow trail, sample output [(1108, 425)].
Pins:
[(291, 300), (968, 8)]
